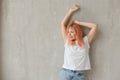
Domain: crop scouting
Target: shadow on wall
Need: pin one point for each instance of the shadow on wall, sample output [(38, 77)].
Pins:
[(1, 40)]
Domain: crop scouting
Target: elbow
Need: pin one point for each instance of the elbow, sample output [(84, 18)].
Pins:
[(63, 24), (95, 25)]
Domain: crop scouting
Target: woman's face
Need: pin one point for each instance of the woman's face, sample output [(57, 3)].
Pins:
[(71, 34)]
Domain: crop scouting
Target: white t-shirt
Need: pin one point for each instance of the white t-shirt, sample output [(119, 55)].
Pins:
[(75, 57)]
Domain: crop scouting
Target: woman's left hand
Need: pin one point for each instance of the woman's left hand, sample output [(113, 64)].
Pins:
[(75, 8)]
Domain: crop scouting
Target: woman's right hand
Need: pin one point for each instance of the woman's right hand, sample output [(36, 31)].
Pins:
[(75, 8)]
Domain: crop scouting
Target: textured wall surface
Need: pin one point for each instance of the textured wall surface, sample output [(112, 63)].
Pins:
[(31, 44)]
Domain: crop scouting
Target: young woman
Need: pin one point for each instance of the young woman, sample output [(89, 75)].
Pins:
[(76, 54)]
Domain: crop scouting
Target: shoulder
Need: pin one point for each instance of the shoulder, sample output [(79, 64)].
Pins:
[(66, 41), (86, 40)]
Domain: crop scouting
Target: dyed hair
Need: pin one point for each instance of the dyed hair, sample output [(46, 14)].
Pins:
[(79, 33)]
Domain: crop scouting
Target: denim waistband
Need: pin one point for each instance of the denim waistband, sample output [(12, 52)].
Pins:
[(82, 71)]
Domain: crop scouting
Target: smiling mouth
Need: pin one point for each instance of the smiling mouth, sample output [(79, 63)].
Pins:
[(73, 40)]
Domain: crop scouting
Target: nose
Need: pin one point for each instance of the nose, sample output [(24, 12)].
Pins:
[(70, 35)]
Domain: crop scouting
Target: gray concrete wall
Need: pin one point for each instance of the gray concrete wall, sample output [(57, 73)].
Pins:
[(31, 44)]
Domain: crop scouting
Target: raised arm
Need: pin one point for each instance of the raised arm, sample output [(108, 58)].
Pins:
[(65, 21), (93, 29)]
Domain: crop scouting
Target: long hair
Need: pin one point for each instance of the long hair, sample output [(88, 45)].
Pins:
[(79, 34)]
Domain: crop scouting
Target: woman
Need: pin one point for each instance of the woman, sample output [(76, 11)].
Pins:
[(76, 54)]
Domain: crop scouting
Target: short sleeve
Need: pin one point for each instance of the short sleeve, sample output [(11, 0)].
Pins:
[(86, 39)]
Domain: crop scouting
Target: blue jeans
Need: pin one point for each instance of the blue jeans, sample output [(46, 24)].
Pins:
[(66, 74)]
